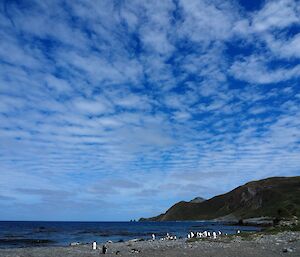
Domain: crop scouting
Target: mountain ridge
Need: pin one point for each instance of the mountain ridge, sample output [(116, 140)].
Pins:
[(275, 197)]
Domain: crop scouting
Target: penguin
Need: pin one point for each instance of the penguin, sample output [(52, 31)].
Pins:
[(214, 235), (104, 249)]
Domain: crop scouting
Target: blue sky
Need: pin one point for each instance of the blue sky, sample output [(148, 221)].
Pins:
[(112, 110)]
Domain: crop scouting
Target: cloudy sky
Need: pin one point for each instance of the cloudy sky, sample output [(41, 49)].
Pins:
[(112, 110)]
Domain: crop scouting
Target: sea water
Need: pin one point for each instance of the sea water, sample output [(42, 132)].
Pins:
[(38, 233)]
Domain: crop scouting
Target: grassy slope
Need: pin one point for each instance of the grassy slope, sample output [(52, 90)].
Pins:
[(273, 197)]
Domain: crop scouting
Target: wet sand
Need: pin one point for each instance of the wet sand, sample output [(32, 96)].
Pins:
[(282, 244)]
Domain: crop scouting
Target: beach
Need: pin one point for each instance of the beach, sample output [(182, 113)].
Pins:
[(267, 245)]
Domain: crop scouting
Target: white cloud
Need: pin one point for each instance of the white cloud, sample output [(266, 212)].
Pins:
[(97, 105), (285, 48), (57, 84), (199, 25), (276, 14), (255, 70)]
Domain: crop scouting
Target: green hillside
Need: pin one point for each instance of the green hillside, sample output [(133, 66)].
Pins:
[(275, 197)]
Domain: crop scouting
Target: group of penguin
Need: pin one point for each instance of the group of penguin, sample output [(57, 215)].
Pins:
[(204, 234), (190, 235)]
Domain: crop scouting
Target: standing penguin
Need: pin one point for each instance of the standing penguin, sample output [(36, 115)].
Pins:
[(94, 245), (104, 249), (214, 235), (153, 237)]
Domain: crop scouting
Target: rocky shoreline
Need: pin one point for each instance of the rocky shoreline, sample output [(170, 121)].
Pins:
[(267, 245)]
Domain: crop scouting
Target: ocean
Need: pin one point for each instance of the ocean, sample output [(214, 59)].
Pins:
[(38, 233)]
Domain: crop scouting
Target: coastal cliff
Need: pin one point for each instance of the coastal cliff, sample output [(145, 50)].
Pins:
[(276, 197)]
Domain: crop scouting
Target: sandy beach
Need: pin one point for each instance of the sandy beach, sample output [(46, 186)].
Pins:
[(282, 244)]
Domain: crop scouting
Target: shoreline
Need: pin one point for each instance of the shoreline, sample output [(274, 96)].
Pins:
[(44, 234), (252, 244)]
